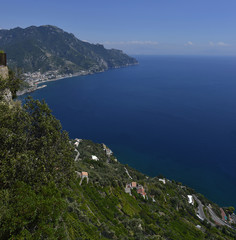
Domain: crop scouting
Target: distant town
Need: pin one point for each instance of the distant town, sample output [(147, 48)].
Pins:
[(34, 80)]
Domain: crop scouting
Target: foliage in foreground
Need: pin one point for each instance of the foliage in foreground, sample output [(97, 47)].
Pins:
[(36, 164), (41, 197)]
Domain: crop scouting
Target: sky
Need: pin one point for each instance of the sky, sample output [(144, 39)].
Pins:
[(169, 27)]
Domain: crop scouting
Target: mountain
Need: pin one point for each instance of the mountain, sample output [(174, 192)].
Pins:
[(49, 48)]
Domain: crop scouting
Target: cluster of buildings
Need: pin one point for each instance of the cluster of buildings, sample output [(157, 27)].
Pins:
[(138, 187), (38, 77), (231, 217)]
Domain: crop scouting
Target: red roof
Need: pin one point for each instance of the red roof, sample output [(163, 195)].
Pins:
[(141, 191), (134, 184), (84, 174)]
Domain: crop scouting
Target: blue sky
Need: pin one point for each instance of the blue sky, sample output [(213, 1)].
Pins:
[(197, 27)]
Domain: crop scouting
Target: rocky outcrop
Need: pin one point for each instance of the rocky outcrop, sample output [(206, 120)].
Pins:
[(3, 72)]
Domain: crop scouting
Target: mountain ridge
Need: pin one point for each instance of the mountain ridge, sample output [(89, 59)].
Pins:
[(49, 48)]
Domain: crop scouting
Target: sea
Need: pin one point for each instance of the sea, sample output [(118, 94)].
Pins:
[(169, 115)]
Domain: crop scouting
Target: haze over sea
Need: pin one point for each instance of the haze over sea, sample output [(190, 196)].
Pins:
[(169, 115)]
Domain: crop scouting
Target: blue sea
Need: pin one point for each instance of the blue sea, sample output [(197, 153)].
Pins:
[(169, 115)]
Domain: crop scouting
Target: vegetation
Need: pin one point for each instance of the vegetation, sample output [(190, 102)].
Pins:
[(36, 164), (48, 48), (42, 197), (14, 82)]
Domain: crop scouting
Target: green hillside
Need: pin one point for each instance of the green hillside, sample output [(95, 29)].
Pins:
[(43, 195), (48, 48)]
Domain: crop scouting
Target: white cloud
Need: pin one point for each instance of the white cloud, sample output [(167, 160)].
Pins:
[(222, 44), (132, 43), (189, 43)]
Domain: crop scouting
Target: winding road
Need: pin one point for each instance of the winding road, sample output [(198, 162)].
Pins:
[(200, 211)]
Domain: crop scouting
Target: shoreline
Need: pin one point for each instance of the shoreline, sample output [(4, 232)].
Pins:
[(84, 73)]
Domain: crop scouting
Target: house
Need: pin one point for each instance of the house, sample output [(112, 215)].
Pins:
[(198, 226), (128, 189), (141, 191), (95, 158), (162, 180), (130, 186), (82, 175), (190, 199)]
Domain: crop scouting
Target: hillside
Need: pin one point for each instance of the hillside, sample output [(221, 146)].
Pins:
[(48, 48), (53, 187)]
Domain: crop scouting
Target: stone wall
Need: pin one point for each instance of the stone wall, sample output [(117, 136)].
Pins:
[(3, 72)]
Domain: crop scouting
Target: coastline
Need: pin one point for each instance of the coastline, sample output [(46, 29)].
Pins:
[(82, 73)]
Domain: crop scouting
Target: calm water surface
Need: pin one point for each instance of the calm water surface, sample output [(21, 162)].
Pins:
[(174, 116)]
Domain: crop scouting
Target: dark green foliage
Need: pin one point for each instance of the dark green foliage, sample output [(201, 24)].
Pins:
[(132, 217), (35, 166), (47, 48), (27, 214), (14, 82), (230, 210), (3, 85), (41, 198), (33, 147)]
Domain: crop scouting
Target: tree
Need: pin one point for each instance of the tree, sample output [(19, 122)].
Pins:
[(36, 165), (14, 82)]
